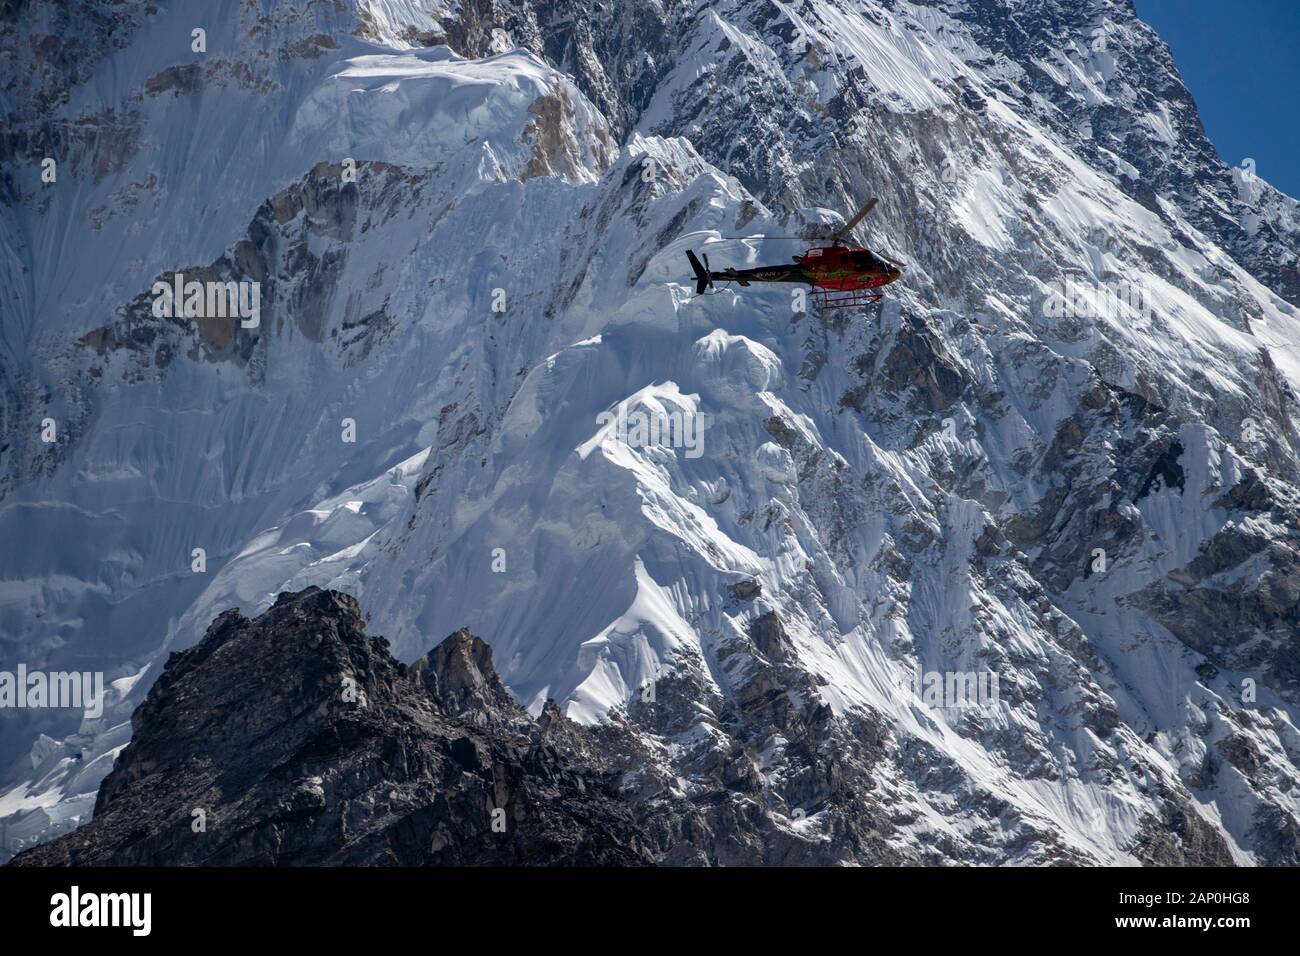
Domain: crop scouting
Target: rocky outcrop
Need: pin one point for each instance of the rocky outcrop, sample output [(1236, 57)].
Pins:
[(297, 739)]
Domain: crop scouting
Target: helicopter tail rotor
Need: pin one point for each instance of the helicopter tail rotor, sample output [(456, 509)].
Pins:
[(703, 280)]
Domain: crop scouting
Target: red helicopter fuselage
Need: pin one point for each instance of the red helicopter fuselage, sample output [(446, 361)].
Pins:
[(846, 268), (838, 274)]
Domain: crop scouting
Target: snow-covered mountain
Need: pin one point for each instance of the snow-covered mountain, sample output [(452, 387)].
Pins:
[(1060, 458)]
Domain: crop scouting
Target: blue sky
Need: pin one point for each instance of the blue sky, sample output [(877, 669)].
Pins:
[(1241, 60)]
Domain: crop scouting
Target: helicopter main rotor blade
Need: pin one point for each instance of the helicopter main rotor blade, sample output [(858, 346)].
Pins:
[(869, 205)]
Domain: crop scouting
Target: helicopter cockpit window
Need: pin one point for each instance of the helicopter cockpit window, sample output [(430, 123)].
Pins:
[(865, 260)]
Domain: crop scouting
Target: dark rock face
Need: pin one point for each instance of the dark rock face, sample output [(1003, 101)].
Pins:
[(297, 740), (1181, 838), (303, 742), (1201, 606)]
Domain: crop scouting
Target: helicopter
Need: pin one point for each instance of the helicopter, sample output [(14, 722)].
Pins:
[(840, 274)]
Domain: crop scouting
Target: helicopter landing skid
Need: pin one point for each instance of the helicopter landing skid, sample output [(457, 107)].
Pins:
[(844, 298)]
